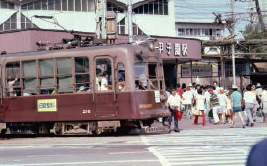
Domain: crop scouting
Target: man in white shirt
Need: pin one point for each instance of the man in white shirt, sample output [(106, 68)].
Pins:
[(10, 85), (174, 102)]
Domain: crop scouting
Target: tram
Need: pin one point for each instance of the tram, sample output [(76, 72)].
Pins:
[(84, 90)]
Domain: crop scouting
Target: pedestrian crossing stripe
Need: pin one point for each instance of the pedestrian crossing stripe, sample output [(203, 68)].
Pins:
[(197, 148)]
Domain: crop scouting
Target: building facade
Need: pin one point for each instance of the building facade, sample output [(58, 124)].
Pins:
[(79, 15)]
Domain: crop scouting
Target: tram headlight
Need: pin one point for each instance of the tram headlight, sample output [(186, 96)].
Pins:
[(151, 46)]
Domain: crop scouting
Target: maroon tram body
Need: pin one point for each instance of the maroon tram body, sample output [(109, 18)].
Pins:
[(61, 92)]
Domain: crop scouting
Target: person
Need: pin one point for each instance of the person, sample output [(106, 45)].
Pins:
[(257, 103), (229, 108), (121, 85), (10, 85), (216, 91), (104, 82), (120, 76), (222, 100), (249, 98), (187, 101), (184, 87), (200, 107), (179, 90), (215, 105), (207, 100), (98, 79), (264, 99), (258, 154), (173, 102), (236, 99), (259, 89)]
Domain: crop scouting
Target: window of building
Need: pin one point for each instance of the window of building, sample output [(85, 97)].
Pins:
[(181, 32), (57, 5), (121, 27), (137, 30), (10, 24), (159, 7), (62, 5), (115, 8), (26, 23), (6, 5)]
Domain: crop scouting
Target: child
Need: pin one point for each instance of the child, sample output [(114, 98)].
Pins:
[(228, 108)]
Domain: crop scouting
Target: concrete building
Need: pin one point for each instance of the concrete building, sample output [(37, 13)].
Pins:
[(79, 15)]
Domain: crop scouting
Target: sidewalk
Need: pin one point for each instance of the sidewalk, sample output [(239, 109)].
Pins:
[(187, 124)]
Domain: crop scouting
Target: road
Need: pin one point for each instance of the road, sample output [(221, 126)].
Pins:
[(195, 145)]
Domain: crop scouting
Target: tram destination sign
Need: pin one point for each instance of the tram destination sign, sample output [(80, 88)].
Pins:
[(47, 105)]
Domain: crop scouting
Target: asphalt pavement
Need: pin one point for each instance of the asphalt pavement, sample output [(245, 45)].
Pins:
[(207, 145)]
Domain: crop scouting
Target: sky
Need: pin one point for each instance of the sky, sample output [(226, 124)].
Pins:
[(202, 10)]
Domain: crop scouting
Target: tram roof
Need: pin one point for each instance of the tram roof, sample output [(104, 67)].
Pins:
[(80, 49)]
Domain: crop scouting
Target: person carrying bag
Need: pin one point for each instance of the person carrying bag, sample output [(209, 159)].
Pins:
[(174, 102)]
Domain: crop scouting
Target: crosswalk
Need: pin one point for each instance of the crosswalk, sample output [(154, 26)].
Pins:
[(204, 147)]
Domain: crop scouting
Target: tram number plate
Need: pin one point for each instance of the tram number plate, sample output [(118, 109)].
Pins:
[(86, 111)]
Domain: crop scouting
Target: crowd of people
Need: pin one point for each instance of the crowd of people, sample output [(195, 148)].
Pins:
[(216, 104)]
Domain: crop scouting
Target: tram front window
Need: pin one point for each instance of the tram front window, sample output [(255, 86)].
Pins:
[(146, 76)]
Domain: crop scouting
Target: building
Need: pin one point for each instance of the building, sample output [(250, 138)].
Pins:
[(17, 14)]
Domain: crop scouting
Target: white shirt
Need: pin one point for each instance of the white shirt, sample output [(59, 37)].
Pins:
[(222, 99), (199, 102), (104, 82), (249, 97), (259, 91), (98, 79), (174, 100), (187, 97), (264, 95), (207, 97), (10, 85)]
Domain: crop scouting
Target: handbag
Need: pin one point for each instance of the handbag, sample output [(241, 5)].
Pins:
[(196, 112)]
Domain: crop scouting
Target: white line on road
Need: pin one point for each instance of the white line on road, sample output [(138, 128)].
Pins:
[(76, 163), (48, 156), (128, 152)]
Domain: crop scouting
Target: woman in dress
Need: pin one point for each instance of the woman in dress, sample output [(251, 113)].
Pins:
[(200, 107)]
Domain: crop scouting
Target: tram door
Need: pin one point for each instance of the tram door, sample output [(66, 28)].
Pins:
[(105, 98)]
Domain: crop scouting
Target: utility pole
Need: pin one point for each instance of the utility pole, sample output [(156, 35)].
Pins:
[(101, 14), (233, 44), (259, 15), (130, 22)]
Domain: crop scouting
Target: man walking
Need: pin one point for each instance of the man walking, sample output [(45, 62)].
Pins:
[(236, 97), (215, 105), (174, 101)]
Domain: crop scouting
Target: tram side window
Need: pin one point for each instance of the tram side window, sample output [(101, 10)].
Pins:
[(140, 76), (120, 77), (46, 75), (13, 79), (153, 75), (82, 79), (64, 75), (103, 72), (29, 78)]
